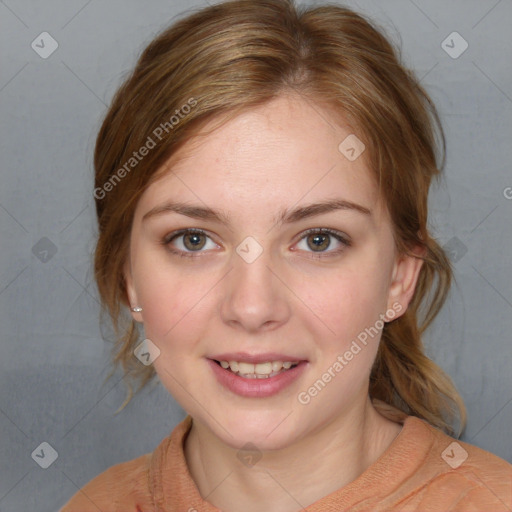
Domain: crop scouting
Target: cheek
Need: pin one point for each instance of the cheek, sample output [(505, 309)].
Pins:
[(170, 306), (173, 297), (347, 301), (347, 324)]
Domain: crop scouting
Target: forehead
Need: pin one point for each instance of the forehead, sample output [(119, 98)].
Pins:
[(281, 153)]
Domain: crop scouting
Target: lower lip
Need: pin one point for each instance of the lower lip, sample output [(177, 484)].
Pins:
[(256, 388)]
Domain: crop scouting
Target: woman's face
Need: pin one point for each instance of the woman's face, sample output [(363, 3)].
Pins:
[(290, 258)]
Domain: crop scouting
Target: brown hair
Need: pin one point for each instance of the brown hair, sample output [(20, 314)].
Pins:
[(238, 54)]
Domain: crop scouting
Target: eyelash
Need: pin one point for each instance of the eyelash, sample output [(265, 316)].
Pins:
[(317, 255)]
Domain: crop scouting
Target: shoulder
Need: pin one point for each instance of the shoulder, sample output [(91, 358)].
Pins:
[(138, 484), (119, 487), (463, 475), (467, 458)]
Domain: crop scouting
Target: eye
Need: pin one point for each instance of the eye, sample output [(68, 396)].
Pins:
[(187, 241), (319, 240)]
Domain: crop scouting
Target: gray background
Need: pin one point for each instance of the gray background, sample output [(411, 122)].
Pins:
[(53, 360)]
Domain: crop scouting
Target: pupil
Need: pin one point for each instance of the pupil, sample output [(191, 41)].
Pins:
[(319, 241), (193, 241)]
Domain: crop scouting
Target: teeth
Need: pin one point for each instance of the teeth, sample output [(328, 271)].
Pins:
[(257, 371), (276, 366), (243, 367), (263, 368)]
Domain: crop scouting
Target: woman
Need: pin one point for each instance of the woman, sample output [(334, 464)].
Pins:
[(261, 188)]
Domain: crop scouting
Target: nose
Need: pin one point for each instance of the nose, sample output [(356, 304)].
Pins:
[(254, 296)]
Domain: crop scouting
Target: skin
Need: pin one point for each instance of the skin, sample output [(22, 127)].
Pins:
[(291, 299)]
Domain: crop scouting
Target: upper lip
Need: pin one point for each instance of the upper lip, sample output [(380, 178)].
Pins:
[(256, 358)]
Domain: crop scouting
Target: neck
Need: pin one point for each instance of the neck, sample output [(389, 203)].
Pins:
[(327, 459)]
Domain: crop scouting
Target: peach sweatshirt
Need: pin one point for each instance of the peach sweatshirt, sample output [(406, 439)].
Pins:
[(423, 470)]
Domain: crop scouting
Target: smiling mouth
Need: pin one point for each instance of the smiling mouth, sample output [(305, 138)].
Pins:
[(257, 371)]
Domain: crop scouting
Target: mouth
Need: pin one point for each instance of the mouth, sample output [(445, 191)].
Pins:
[(264, 370), (256, 376)]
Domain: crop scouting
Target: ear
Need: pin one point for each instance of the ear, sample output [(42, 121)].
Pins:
[(406, 271), (130, 291)]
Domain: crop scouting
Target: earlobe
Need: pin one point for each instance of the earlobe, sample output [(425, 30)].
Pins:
[(406, 272), (135, 308)]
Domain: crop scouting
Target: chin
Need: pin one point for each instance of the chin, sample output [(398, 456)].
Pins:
[(266, 431)]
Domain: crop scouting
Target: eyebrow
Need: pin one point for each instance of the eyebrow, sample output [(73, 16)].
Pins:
[(286, 216)]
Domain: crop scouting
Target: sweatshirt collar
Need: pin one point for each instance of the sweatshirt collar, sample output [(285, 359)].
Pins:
[(174, 489)]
